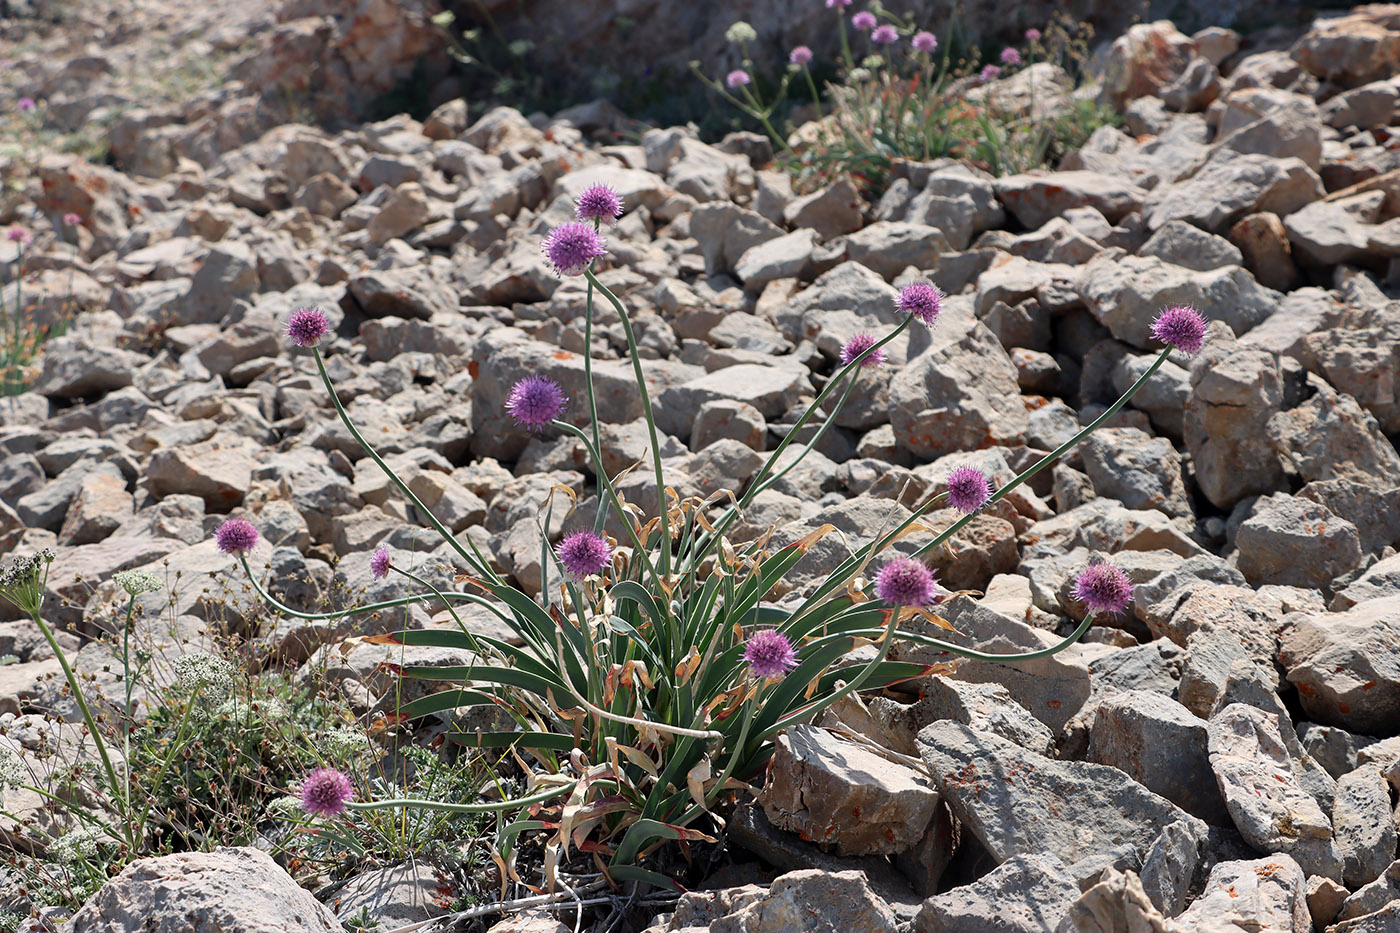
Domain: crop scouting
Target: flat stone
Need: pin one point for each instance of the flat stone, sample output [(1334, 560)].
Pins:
[(1025, 894), (1263, 894), (1016, 802), (1260, 784), (830, 790), (1345, 665), (1363, 826), (1296, 542)]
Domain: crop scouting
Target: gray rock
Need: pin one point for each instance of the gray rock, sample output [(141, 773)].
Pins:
[(1374, 897), (229, 273), (1025, 894), (1296, 542), (410, 292), (1385, 920), (1365, 107), (1051, 689), (1264, 894), (1260, 784), (1035, 199), (219, 471), (959, 394), (397, 895), (771, 389), (1374, 511), (818, 781), (726, 232), (72, 367), (1117, 902), (1186, 245), (1032, 813), (814, 901), (890, 247), (1327, 233), (1362, 825), (1234, 392), (1362, 362), (238, 890), (1161, 745), (1155, 666), (786, 257), (726, 418), (1170, 867), (1344, 665), (986, 707), (1330, 436), (1335, 749), (1141, 471), (1127, 295), (832, 211), (1230, 186)]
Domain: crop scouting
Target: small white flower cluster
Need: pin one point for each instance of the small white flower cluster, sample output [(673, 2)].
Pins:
[(343, 745), (240, 710), (136, 582), (201, 671), (12, 773), (288, 806), (80, 843), (740, 32)]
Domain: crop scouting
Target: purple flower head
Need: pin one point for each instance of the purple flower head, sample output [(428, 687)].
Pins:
[(72, 219), (25, 104), (737, 79), (968, 489), (1010, 57), (535, 401), (925, 41), (306, 326), (1104, 589), (600, 203), (236, 536), (1032, 35), (769, 654), (571, 247), (325, 792), (922, 300), (584, 553), (857, 345), (864, 20), (990, 73), (18, 235), (800, 55), (884, 35), (837, 4), (381, 561), (1181, 327), (905, 581)]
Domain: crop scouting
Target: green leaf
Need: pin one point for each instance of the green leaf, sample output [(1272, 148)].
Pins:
[(550, 740), (656, 879), (444, 701)]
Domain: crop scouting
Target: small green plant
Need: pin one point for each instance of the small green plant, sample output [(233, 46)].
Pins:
[(905, 96), (21, 335)]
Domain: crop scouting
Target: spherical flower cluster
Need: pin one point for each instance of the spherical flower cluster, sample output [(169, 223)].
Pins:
[(325, 792), (72, 219), (236, 536), (19, 235), (344, 744), (837, 4), (203, 672), (1032, 35), (884, 35), (968, 489), (25, 104), (1104, 588), (925, 41), (906, 582), (136, 582), (600, 203), (12, 771), (769, 654), (23, 580), (740, 32), (922, 300), (572, 246), (379, 564), (857, 345), (1181, 327), (990, 73), (864, 20), (800, 55), (584, 553), (76, 845), (737, 79), (535, 401), (307, 326), (1010, 57)]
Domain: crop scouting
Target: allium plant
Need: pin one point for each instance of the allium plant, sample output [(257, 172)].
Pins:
[(649, 679), (896, 93)]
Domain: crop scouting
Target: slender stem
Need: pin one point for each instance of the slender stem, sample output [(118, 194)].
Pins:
[(605, 483), (976, 655), (165, 765), (650, 417), (81, 699), (592, 393), (126, 710), (491, 807), (472, 559), (360, 610)]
